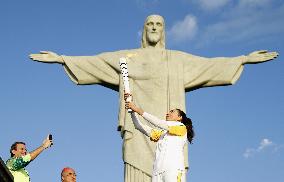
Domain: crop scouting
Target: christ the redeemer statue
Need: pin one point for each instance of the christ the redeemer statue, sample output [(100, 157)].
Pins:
[(159, 79)]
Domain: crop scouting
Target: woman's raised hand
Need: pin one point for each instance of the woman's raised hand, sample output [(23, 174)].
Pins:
[(129, 105)]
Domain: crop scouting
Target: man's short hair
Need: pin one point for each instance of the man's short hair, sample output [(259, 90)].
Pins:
[(14, 147)]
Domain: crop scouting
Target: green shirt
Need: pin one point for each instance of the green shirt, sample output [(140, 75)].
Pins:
[(17, 165)]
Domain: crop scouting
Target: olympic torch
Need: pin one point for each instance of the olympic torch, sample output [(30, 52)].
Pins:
[(124, 73)]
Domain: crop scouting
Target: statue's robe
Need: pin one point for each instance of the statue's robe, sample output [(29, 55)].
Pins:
[(158, 79)]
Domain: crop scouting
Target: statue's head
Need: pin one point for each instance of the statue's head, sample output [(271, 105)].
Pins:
[(154, 32)]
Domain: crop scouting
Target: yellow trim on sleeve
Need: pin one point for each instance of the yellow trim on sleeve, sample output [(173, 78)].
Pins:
[(177, 130), (179, 177), (155, 135)]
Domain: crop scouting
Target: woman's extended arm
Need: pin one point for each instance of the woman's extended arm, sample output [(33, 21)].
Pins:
[(155, 121), (146, 130)]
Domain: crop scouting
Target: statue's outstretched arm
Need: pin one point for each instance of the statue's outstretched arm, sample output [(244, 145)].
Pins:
[(259, 57), (47, 57)]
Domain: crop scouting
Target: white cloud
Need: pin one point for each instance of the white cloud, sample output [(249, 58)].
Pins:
[(212, 4), (249, 152), (264, 144), (244, 23), (278, 147), (255, 3), (183, 30)]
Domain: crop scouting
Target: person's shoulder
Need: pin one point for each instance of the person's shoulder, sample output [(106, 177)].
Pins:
[(178, 129), (8, 160), (175, 123), (25, 158)]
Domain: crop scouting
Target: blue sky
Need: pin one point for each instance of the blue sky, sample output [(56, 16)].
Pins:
[(239, 129)]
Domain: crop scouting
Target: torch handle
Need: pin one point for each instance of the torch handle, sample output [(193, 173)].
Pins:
[(124, 73)]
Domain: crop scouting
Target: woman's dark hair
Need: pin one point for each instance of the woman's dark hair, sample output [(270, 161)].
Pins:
[(188, 124)]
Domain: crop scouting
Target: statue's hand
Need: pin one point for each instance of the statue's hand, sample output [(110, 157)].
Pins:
[(47, 57), (260, 56)]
